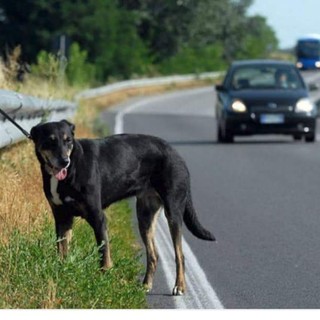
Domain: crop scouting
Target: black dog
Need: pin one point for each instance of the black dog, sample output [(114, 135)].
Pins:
[(82, 177)]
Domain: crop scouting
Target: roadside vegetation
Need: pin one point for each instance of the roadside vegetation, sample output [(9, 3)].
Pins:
[(32, 275)]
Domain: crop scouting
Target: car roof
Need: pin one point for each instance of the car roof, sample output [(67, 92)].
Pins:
[(261, 62)]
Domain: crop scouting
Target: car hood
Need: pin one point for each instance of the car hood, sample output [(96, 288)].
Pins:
[(254, 97)]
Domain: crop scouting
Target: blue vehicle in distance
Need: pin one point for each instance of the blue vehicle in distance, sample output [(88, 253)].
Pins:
[(308, 52)]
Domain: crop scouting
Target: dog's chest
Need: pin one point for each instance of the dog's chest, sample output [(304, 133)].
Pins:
[(55, 196)]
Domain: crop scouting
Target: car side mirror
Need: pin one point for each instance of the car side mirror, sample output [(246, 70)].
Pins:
[(313, 86), (220, 87)]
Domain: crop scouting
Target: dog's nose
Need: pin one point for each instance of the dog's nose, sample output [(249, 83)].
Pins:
[(64, 162)]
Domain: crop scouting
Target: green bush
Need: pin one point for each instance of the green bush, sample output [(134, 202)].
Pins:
[(194, 60), (75, 69), (47, 66), (79, 71)]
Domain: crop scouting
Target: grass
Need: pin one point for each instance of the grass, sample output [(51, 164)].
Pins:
[(33, 277)]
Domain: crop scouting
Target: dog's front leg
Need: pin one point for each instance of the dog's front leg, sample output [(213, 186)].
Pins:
[(98, 222), (64, 232)]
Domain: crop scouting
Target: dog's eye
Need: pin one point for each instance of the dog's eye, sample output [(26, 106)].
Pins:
[(49, 143), (68, 140)]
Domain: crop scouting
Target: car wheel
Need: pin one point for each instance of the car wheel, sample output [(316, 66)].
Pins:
[(219, 135), (310, 137), (297, 137), (224, 136), (229, 138)]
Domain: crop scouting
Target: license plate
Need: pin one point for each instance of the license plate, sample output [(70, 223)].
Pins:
[(271, 118)]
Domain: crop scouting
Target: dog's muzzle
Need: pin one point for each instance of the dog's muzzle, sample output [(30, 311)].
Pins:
[(61, 172)]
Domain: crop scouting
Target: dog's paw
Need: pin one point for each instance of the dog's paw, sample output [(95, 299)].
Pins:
[(147, 288), (177, 291), (106, 267)]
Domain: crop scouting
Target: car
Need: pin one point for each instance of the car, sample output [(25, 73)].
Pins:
[(264, 97)]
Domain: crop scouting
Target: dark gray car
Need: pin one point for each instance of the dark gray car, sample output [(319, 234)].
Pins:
[(264, 97)]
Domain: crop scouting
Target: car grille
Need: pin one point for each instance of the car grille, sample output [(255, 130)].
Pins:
[(271, 108)]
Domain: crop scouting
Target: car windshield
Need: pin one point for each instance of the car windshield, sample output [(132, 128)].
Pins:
[(265, 77)]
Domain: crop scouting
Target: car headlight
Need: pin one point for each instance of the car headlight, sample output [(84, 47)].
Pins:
[(238, 106), (304, 105)]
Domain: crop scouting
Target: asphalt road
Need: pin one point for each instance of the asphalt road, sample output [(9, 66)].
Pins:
[(259, 196)]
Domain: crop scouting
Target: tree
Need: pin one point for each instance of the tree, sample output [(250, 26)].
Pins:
[(29, 23), (123, 38), (260, 42), (163, 25), (227, 22), (172, 27), (106, 32)]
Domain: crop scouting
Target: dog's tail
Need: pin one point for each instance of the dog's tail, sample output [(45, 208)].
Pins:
[(193, 224)]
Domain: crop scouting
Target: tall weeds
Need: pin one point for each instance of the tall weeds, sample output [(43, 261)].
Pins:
[(22, 204)]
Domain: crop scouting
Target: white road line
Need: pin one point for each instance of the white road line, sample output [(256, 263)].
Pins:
[(200, 294), (118, 128)]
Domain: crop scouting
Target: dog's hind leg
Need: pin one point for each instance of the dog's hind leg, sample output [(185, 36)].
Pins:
[(148, 207), (174, 215)]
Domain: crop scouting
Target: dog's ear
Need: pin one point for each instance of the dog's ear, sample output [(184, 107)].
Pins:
[(34, 133), (71, 125)]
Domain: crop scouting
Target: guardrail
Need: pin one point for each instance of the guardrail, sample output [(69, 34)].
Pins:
[(141, 83), (28, 111)]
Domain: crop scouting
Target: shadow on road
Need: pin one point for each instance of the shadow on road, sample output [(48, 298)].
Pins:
[(191, 143), (241, 142)]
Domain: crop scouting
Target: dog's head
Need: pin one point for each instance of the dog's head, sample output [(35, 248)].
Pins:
[(54, 143)]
